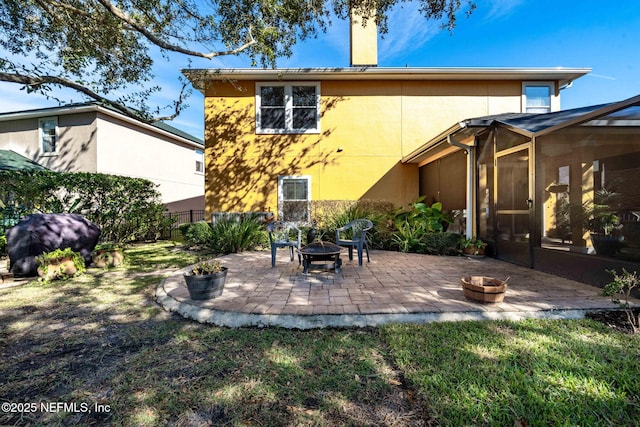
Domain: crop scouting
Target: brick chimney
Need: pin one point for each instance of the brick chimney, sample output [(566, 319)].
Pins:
[(364, 42)]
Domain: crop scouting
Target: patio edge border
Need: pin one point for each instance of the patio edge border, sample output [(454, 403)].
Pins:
[(316, 321)]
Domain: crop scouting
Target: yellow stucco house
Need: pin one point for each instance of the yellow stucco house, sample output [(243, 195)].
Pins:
[(278, 140)]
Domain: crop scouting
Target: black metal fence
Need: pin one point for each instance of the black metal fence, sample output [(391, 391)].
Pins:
[(176, 219), (179, 218), (9, 218)]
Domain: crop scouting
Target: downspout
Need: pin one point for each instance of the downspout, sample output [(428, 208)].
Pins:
[(471, 174)]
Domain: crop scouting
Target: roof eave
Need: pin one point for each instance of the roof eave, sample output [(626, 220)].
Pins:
[(563, 76), (417, 155), (50, 111)]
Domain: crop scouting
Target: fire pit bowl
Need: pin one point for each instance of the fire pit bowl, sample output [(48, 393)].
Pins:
[(321, 255)]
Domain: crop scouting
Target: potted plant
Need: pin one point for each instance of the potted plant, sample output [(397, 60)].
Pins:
[(60, 264), (108, 255), (484, 289), (206, 280), (602, 223), (473, 247)]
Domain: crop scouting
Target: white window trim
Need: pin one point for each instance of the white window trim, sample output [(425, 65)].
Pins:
[(199, 156), (40, 136), (555, 96), (288, 109), (281, 179)]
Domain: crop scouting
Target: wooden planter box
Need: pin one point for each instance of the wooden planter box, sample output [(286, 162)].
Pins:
[(483, 289)]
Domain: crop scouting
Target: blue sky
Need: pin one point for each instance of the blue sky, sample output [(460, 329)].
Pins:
[(500, 33)]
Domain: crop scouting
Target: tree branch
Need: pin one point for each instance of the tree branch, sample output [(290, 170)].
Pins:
[(47, 5), (120, 14), (176, 105)]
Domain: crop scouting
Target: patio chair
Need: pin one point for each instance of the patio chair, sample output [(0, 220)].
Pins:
[(280, 234), (354, 235)]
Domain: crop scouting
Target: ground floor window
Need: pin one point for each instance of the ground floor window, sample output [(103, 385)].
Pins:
[(294, 198)]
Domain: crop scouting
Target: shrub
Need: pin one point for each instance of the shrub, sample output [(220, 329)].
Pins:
[(124, 208), (3, 244), (332, 215), (197, 233), (413, 239), (620, 290), (420, 216), (232, 235), (442, 243), (421, 228), (409, 237)]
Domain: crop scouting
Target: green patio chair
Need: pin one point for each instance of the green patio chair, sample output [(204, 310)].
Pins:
[(280, 236), (354, 235)]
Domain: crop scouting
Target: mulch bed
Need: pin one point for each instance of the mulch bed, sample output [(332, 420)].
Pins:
[(615, 319)]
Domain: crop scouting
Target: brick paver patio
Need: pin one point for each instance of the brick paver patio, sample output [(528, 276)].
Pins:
[(392, 287)]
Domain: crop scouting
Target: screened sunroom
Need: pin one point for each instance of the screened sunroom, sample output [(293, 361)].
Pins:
[(558, 192)]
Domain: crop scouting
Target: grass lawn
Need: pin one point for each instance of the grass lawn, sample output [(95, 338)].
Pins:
[(100, 339)]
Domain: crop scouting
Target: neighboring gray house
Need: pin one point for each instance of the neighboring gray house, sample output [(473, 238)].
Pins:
[(88, 137)]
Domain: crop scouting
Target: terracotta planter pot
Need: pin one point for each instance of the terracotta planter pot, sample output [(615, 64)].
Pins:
[(108, 258), (483, 289), (58, 267), (205, 286), (473, 251)]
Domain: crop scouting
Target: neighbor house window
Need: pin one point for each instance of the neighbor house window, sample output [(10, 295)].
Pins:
[(294, 198), (199, 157), (537, 97), (48, 135), (287, 108)]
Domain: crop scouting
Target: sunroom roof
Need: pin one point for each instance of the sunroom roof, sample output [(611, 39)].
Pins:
[(623, 113)]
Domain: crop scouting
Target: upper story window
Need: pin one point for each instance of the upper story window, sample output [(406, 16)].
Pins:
[(287, 108), (199, 157), (48, 129), (537, 97)]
